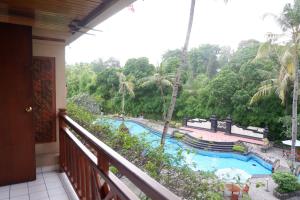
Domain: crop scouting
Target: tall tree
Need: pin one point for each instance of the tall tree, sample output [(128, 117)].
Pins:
[(161, 80), (183, 65), (289, 21), (138, 67), (125, 86)]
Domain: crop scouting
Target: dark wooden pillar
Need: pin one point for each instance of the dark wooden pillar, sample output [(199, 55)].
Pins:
[(213, 123), (228, 124), (184, 121)]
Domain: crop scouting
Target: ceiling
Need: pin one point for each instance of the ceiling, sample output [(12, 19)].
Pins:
[(68, 16)]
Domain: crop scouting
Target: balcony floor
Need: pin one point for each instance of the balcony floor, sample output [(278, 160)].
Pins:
[(49, 185)]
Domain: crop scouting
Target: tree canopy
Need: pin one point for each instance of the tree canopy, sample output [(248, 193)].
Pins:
[(223, 85)]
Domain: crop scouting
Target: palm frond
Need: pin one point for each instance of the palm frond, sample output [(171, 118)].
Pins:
[(281, 20), (262, 91), (263, 51), (166, 83), (129, 87), (282, 89), (146, 81)]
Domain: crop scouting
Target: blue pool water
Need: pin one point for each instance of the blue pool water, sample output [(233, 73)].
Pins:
[(203, 160)]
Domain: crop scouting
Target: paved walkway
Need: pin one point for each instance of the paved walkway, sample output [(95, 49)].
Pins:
[(219, 136)]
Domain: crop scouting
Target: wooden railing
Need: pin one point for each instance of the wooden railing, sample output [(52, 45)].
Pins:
[(86, 161)]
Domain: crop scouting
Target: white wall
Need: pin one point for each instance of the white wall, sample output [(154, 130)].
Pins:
[(47, 153)]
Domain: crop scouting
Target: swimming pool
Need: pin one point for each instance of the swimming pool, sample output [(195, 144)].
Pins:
[(203, 160)]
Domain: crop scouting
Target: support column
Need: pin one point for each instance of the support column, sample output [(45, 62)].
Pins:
[(266, 132), (228, 124), (184, 121), (213, 123)]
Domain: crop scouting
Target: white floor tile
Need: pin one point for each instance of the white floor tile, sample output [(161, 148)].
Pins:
[(47, 186), (38, 170), (59, 197), (50, 168), (39, 195), (37, 188), (18, 186), (50, 174), (52, 179), (36, 182), (26, 197), (4, 188), (4, 194), (52, 185), (56, 191), (18, 191)]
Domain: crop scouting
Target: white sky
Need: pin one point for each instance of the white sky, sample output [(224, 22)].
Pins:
[(159, 25)]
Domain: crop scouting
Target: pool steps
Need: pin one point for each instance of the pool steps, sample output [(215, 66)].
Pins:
[(207, 145), (225, 147)]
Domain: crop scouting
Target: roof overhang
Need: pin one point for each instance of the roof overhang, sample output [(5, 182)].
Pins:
[(59, 20)]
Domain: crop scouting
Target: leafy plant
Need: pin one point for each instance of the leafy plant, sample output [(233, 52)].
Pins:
[(169, 169), (178, 135), (286, 181), (239, 148)]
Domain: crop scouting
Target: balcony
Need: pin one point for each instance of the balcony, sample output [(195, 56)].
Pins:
[(86, 161), (84, 172), (32, 132)]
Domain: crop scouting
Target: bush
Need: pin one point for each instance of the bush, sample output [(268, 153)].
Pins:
[(239, 148), (286, 182), (178, 135), (168, 169)]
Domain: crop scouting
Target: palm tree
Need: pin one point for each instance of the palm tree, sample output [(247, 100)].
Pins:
[(161, 80), (280, 78), (289, 21), (184, 63), (125, 86)]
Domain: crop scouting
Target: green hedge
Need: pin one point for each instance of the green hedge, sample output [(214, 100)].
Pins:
[(286, 182)]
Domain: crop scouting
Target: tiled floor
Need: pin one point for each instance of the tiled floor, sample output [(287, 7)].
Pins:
[(219, 136), (49, 185)]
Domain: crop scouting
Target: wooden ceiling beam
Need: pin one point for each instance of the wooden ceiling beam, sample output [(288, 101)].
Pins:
[(34, 23)]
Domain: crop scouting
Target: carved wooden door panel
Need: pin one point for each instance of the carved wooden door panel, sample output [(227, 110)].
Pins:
[(44, 115)]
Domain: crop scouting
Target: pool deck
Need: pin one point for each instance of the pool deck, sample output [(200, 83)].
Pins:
[(219, 136)]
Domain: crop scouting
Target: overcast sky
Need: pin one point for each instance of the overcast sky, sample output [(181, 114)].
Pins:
[(158, 25)]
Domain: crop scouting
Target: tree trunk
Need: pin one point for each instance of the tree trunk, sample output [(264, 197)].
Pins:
[(163, 101), (123, 103), (295, 104), (178, 74)]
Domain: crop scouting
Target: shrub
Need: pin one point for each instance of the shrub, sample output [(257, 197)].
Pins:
[(123, 128), (168, 169), (178, 135), (239, 148), (286, 182)]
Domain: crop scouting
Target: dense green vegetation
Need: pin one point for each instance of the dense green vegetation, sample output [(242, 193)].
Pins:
[(169, 170), (286, 182), (218, 81)]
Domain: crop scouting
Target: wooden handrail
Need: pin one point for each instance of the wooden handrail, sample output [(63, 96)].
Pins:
[(109, 186)]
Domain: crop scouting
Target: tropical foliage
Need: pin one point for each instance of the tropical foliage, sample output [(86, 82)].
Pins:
[(217, 81), (228, 92), (286, 182), (169, 170)]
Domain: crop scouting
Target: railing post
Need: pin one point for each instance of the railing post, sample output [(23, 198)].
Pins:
[(213, 123), (62, 111), (103, 165)]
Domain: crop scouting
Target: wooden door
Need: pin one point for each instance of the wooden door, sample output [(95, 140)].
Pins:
[(17, 153)]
